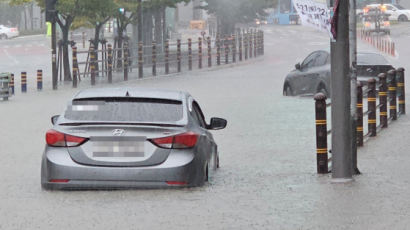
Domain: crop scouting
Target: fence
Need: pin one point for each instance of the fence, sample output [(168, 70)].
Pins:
[(165, 58), (391, 91), (383, 44)]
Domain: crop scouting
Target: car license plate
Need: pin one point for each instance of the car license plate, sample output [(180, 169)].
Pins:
[(118, 146)]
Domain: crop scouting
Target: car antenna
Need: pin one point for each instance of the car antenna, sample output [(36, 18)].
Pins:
[(127, 94)]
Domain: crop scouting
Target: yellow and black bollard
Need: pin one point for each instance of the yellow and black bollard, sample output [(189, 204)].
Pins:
[(110, 63), (359, 106), (189, 54), (167, 57), (92, 65), (240, 46), (401, 90), (321, 134), (140, 60), (24, 82), (371, 104), (218, 51), (233, 48), (126, 61), (391, 75), (226, 43), (383, 100), (179, 55), (255, 44), (12, 84), (39, 80), (75, 67), (199, 53), (250, 44), (209, 52), (246, 43), (154, 58)]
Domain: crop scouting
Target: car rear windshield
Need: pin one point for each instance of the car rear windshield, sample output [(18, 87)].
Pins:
[(371, 59), (145, 110)]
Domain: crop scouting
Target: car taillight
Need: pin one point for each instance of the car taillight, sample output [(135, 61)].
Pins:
[(180, 141), (13, 29), (57, 139)]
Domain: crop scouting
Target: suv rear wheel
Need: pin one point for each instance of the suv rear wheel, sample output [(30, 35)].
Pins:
[(3, 36)]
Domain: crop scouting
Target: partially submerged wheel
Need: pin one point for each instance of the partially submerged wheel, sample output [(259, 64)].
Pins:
[(287, 90)]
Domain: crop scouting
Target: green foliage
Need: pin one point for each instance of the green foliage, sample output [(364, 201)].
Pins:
[(238, 10)]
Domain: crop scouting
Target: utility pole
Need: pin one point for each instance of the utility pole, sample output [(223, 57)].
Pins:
[(341, 112), (353, 60), (51, 15)]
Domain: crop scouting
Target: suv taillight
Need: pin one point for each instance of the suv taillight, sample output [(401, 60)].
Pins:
[(180, 141), (57, 139)]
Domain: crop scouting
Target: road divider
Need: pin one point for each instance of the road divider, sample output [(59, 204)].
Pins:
[(391, 89)]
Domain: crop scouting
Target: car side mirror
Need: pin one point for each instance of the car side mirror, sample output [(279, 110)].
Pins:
[(297, 66), (217, 123), (54, 119)]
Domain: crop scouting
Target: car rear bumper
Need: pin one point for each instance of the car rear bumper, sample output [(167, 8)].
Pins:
[(180, 166)]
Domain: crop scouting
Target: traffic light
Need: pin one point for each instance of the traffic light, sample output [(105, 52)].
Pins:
[(50, 10)]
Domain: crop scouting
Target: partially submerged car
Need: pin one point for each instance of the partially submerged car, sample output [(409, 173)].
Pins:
[(128, 137), (313, 74)]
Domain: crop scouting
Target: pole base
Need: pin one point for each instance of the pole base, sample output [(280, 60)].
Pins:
[(341, 180)]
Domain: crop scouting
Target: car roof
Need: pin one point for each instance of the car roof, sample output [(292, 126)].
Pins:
[(132, 92)]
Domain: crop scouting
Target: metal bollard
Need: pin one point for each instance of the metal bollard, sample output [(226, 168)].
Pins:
[(167, 57), (240, 46), (199, 53), (233, 48), (39, 80), (401, 90), (383, 100), (321, 134), (391, 75), (209, 52), (12, 84), (126, 61), (154, 59), (75, 67), (140, 60), (371, 104), (24, 82), (359, 106), (92, 65), (179, 55), (189, 54), (218, 51), (110, 63)]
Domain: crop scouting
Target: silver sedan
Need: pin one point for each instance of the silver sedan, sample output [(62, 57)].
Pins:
[(128, 137)]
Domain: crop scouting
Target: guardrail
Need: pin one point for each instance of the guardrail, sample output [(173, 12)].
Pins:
[(170, 57), (391, 91)]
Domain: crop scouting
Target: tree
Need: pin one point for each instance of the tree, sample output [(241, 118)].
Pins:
[(95, 13), (67, 10), (230, 12)]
